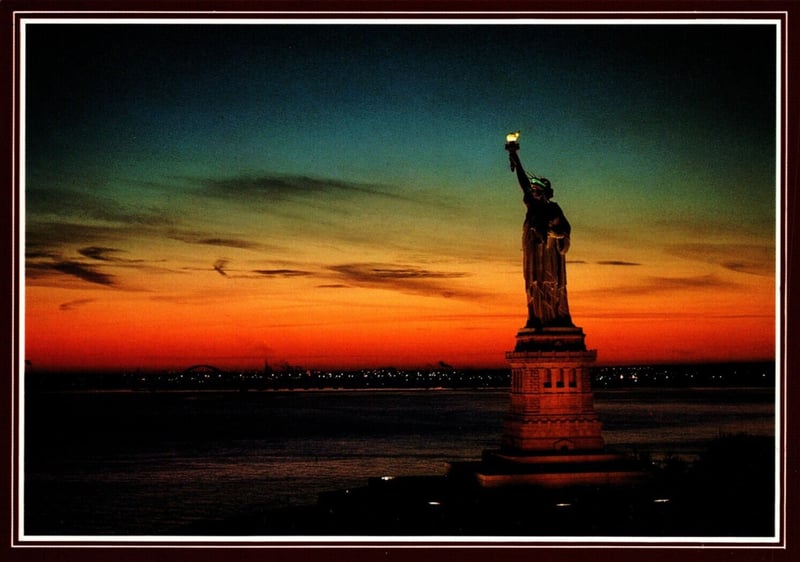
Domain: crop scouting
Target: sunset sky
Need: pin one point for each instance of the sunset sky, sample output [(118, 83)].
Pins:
[(338, 195)]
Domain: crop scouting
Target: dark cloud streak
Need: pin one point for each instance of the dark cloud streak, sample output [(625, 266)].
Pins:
[(617, 262), (404, 279), (207, 240), (281, 272), (219, 267), (752, 259), (652, 285), (83, 271), (81, 205), (106, 254), (71, 305), (379, 273), (273, 188)]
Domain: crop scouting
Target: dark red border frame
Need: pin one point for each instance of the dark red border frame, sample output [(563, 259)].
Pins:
[(787, 10)]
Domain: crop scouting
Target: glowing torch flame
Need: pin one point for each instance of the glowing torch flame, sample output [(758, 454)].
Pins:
[(512, 137)]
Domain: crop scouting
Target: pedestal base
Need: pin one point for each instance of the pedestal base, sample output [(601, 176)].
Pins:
[(528, 434), (552, 435), (589, 468)]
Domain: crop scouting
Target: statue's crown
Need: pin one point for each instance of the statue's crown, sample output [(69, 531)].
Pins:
[(544, 183)]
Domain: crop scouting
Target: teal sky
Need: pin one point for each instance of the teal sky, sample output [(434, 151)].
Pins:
[(647, 114)]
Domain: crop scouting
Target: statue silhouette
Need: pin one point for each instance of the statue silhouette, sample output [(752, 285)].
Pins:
[(545, 241)]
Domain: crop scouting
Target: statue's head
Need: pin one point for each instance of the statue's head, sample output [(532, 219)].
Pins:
[(543, 184)]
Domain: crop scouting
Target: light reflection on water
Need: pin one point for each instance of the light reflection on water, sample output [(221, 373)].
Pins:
[(154, 463)]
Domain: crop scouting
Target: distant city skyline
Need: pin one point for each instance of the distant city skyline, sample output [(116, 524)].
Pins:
[(337, 195)]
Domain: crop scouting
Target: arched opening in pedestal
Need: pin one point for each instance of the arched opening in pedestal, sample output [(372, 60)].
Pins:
[(564, 445)]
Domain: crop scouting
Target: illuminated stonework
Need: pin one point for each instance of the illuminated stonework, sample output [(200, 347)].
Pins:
[(552, 435), (552, 405)]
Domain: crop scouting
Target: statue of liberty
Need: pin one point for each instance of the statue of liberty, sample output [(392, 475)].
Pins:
[(545, 241)]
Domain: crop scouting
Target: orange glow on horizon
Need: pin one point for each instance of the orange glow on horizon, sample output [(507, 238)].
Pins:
[(409, 332)]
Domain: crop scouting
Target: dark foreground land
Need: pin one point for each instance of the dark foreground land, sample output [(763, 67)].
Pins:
[(727, 492)]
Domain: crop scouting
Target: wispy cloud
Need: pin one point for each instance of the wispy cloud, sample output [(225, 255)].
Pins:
[(219, 267), (281, 272), (379, 273), (204, 238), (99, 253), (50, 236), (403, 278), (106, 254), (61, 217), (36, 253), (71, 305), (83, 205), (701, 281), (82, 271), (617, 262), (653, 285), (272, 188), (48, 264), (742, 258)]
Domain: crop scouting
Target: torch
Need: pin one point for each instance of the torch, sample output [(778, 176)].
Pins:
[(512, 145), (512, 141)]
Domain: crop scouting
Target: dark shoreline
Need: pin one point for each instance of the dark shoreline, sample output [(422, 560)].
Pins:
[(727, 493)]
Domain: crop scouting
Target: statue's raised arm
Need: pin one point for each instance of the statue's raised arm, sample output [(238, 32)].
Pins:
[(512, 146)]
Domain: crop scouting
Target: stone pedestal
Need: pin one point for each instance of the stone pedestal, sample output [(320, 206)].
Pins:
[(552, 435), (552, 405)]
